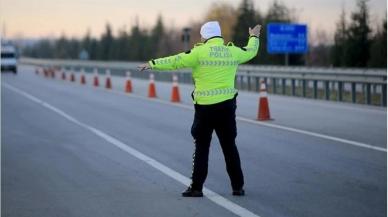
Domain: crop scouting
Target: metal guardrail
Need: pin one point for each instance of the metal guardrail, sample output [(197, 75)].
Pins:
[(367, 86)]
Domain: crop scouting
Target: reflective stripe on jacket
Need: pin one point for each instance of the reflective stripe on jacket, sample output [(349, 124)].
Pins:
[(214, 67)]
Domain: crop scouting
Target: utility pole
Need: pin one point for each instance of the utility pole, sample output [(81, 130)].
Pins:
[(186, 38), (286, 59)]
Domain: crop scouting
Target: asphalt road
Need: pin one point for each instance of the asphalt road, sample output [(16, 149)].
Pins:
[(59, 157)]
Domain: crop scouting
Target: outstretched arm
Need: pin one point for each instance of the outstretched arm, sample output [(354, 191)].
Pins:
[(182, 60)]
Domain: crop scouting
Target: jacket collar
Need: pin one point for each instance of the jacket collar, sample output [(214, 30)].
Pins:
[(214, 39)]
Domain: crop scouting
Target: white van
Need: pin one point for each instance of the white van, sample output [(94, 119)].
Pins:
[(8, 59)]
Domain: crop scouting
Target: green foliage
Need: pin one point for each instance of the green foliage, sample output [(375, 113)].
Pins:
[(105, 48), (246, 18), (354, 43), (340, 40), (139, 43), (155, 47), (122, 46), (378, 49), (358, 42), (43, 49)]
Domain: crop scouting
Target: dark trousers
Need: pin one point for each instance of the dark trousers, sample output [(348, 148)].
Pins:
[(220, 117)]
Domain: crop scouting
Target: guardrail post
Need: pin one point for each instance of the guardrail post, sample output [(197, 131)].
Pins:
[(293, 87), (315, 89), (283, 86), (274, 85), (327, 90), (384, 94), (181, 77), (374, 89), (257, 83), (186, 78), (367, 94), (304, 87), (354, 93), (340, 89), (242, 82), (249, 81)]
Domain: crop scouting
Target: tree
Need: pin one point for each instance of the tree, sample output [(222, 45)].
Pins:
[(61, 48), (74, 48), (122, 47), (156, 38), (45, 49), (246, 18), (338, 53), (138, 43), (86, 43), (358, 43), (225, 14), (378, 50), (278, 12), (319, 50), (104, 51), (93, 49)]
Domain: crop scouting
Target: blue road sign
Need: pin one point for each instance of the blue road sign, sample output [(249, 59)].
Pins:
[(284, 38)]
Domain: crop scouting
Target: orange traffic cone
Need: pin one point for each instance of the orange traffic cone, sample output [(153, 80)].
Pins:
[(45, 72), (49, 72), (83, 79), (263, 111), (175, 96), (63, 75), (151, 87), (72, 77), (108, 83), (95, 79), (128, 84)]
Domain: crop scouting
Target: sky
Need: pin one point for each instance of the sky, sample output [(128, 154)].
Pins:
[(51, 18)]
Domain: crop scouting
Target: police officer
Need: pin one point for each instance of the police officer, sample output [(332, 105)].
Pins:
[(214, 66)]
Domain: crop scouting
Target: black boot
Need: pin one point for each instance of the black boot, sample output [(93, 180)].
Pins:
[(239, 192), (192, 193)]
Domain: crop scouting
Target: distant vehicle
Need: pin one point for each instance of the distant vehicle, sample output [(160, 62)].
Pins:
[(8, 58)]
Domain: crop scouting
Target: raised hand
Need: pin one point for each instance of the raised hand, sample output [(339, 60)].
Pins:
[(255, 31)]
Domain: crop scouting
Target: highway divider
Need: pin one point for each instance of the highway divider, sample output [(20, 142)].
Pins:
[(365, 86)]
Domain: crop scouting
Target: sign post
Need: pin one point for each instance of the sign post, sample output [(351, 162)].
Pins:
[(186, 38), (285, 38)]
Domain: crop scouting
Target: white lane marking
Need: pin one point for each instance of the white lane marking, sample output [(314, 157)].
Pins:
[(350, 142), (331, 104), (276, 126), (211, 195)]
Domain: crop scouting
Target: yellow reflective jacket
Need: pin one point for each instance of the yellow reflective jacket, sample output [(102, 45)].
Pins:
[(214, 67)]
